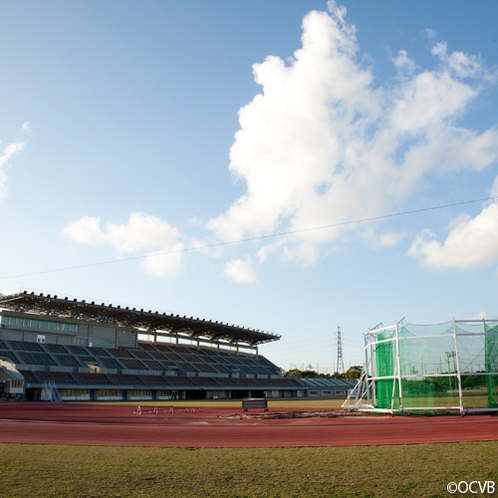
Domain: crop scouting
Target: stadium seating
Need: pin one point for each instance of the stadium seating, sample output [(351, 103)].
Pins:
[(150, 365)]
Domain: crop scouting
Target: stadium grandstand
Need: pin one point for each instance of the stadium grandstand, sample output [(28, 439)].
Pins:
[(73, 350)]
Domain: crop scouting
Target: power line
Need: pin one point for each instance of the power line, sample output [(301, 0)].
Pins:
[(249, 239)]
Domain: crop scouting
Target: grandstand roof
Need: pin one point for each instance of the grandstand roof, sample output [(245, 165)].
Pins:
[(148, 320)]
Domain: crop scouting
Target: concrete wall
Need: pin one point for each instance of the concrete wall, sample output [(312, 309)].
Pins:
[(88, 334)]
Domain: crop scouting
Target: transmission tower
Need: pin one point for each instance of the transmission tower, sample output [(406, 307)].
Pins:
[(340, 359)]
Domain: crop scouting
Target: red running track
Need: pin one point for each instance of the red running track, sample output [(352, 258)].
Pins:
[(118, 425)]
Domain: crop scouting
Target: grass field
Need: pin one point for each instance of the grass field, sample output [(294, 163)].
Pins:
[(274, 404), (383, 471)]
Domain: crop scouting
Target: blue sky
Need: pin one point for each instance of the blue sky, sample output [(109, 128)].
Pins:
[(136, 131)]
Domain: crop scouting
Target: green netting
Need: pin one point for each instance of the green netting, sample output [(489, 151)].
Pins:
[(447, 365), (418, 393), (475, 391), (423, 355), (491, 360), (385, 360)]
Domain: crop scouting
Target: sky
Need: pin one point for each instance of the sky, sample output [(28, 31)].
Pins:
[(288, 166)]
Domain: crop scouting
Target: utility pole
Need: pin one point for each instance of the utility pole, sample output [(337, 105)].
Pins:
[(340, 359)]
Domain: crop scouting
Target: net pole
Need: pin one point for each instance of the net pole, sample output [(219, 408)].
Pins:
[(370, 349), (459, 374), (366, 366), (393, 395), (398, 367)]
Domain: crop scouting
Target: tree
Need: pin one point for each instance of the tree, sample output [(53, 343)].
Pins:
[(353, 372), (295, 372)]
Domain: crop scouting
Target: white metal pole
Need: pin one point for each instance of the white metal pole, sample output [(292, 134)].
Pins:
[(460, 394), (398, 365), (373, 372)]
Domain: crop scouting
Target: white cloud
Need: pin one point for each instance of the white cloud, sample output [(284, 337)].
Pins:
[(86, 230), (141, 233), (430, 33), (5, 157), (158, 264), (240, 270), (404, 63), (390, 239), (480, 316), (322, 145), (464, 65), (471, 242), (265, 251)]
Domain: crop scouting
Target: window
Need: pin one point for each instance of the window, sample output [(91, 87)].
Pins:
[(140, 393), (39, 324), (115, 393)]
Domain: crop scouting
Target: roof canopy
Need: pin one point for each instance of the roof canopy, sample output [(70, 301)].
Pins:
[(150, 321)]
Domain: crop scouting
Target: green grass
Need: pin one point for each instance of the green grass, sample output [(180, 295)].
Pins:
[(296, 403), (377, 471)]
